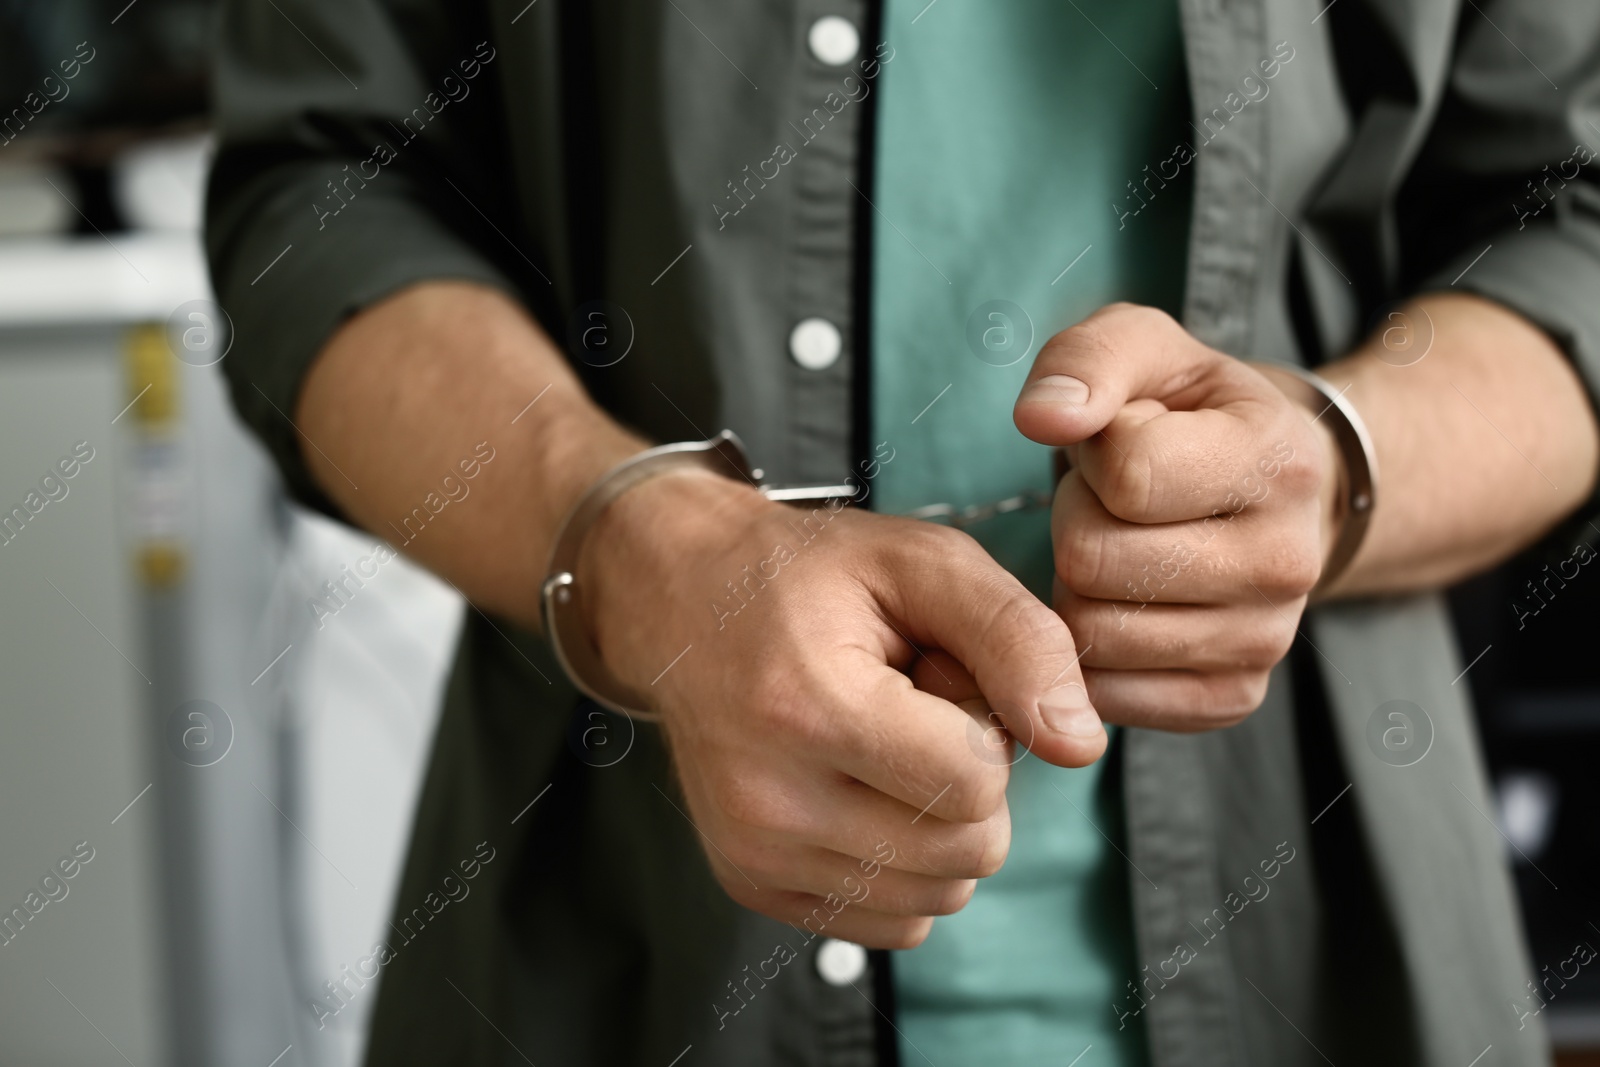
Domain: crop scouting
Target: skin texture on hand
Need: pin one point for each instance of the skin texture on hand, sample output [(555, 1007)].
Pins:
[(801, 745), (1200, 505), (1191, 526)]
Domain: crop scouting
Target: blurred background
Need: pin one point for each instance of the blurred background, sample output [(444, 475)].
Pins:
[(238, 766), (224, 756)]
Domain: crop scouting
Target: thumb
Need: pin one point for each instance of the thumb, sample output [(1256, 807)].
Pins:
[(1084, 375), (1017, 651)]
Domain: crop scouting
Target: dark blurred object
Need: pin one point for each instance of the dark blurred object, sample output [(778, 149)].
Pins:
[(1538, 692), (149, 70), (81, 83)]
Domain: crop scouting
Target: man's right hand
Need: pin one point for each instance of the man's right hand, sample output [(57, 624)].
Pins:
[(803, 749)]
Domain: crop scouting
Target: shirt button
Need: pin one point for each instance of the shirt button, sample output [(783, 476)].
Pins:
[(833, 40), (815, 344), (840, 962)]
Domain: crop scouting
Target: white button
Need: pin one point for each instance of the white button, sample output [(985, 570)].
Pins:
[(815, 344), (833, 40), (840, 962)]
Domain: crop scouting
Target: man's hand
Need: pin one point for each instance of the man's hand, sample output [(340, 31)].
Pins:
[(773, 641), (1193, 523)]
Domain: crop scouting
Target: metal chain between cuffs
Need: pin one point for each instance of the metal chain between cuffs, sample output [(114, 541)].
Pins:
[(961, 518)]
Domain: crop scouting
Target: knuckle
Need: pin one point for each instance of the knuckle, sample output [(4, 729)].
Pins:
[(789, 708), (1231, 698), (1302, 566), (744, 856), (1124, 318), (772, 694), (1299, 474), (749, 804), (1273, 645), (1289, 566), (1082, 561), (990, 853), (952, 896), (908, 933), (1087, 620), (978, 796), (1127, 488), (1255, 692), (1257, 650), (1021, 621), (742, 894), (1143, 316)]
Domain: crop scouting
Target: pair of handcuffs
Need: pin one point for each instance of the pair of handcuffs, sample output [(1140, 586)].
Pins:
[(725, 454)]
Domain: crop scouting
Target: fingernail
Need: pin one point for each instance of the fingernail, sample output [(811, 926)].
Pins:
[(1066, 710), (1056, 388)]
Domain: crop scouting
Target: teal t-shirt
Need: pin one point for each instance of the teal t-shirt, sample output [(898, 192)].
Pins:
[(1014, 196)]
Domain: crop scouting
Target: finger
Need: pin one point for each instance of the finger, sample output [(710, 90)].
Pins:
[(947, 592), (855, 820), (820, 871), (1236, 556), (1179, 701), (860, 926), (848, 816), (914, 748), (1151, 636), (941, 674), (1153, 465), (1085, 374), (815, 916)]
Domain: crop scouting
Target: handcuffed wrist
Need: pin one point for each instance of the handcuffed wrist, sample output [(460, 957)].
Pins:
[(1357, 470), (562, 594)]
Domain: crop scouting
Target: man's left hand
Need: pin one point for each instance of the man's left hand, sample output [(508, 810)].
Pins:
[(1193, 523)]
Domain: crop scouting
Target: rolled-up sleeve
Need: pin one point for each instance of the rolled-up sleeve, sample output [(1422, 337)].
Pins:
[(1505, 198), (355, 158)]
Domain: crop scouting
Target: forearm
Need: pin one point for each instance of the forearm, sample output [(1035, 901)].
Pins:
[(411, 388), (1483, 444)]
